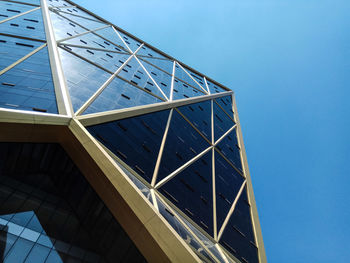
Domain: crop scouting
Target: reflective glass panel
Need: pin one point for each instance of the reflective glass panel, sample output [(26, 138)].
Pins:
[(83, 83), (222, 122), (183, 75), (183, 91), (214, 88), (120, 94), (132, 43), (238, 237), (62, 5), (108, 60), (182, 144), (163, 79), (8, 9), (226, 104), (192, 192), (83, 22), (199, 114), (29, 85), (136, 141), (93, 40), (34, 2), (230, 148), (29, 25), (163, 64), (149, 52), (22, 47), (227, 182), (110, 36), (58, 3), (64, 28), (197, 78)]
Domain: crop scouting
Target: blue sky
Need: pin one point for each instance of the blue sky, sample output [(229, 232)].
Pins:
[(288, 62)]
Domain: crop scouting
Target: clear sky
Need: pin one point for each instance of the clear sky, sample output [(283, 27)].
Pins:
[(288, 62)]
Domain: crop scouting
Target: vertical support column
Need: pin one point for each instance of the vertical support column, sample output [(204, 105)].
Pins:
[(254, 211), (62, 96)]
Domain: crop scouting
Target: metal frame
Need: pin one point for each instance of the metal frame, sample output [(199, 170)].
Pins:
[(76, 122)]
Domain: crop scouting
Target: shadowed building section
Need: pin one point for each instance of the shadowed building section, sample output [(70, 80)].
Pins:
[(49, 212)]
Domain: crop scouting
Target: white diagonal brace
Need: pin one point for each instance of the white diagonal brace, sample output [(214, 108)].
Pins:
[(101, 117), (206, 85), (181, 168), (159, 158), (225, 134), (230, 212), (149, 75), (21, 14), (81, 34), (21, 59), (206, 92), (172, 82), (99, 91)]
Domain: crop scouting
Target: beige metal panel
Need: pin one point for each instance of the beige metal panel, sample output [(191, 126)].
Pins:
[(21, 116), (255, 217), (152, 234), (101, 117)]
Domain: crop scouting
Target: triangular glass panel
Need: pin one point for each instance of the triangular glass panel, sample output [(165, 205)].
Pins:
[(83, 22), (222, 122), (215, 88), (120, 94), (22, 47), (29, 85), (136, 140), (163, 79), (230, 149), (163, 64), (92, 40), (108, 60), (199, 114), (226, 104), (238, 236), (111, 37), (33, 2), (182, 144), (227, 182), (29, 25), (192, 192), (63, 28), (134, 73), (82, 83), (182, 75), (146, 51), (198, 78), (183, 91), (8, 9), (64, 6), (132, 43), (55, 3)]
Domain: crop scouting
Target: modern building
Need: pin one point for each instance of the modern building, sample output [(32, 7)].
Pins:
[(112, 151)]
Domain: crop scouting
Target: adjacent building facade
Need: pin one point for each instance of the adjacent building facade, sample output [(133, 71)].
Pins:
[(112, 151)]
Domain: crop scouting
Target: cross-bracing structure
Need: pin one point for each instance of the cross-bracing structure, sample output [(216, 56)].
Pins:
[(164, 139)]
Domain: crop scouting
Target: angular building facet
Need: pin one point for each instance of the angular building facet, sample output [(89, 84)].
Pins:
[(112, 151)]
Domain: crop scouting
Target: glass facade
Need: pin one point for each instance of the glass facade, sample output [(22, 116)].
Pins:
[(50, 213), (172, 131)]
